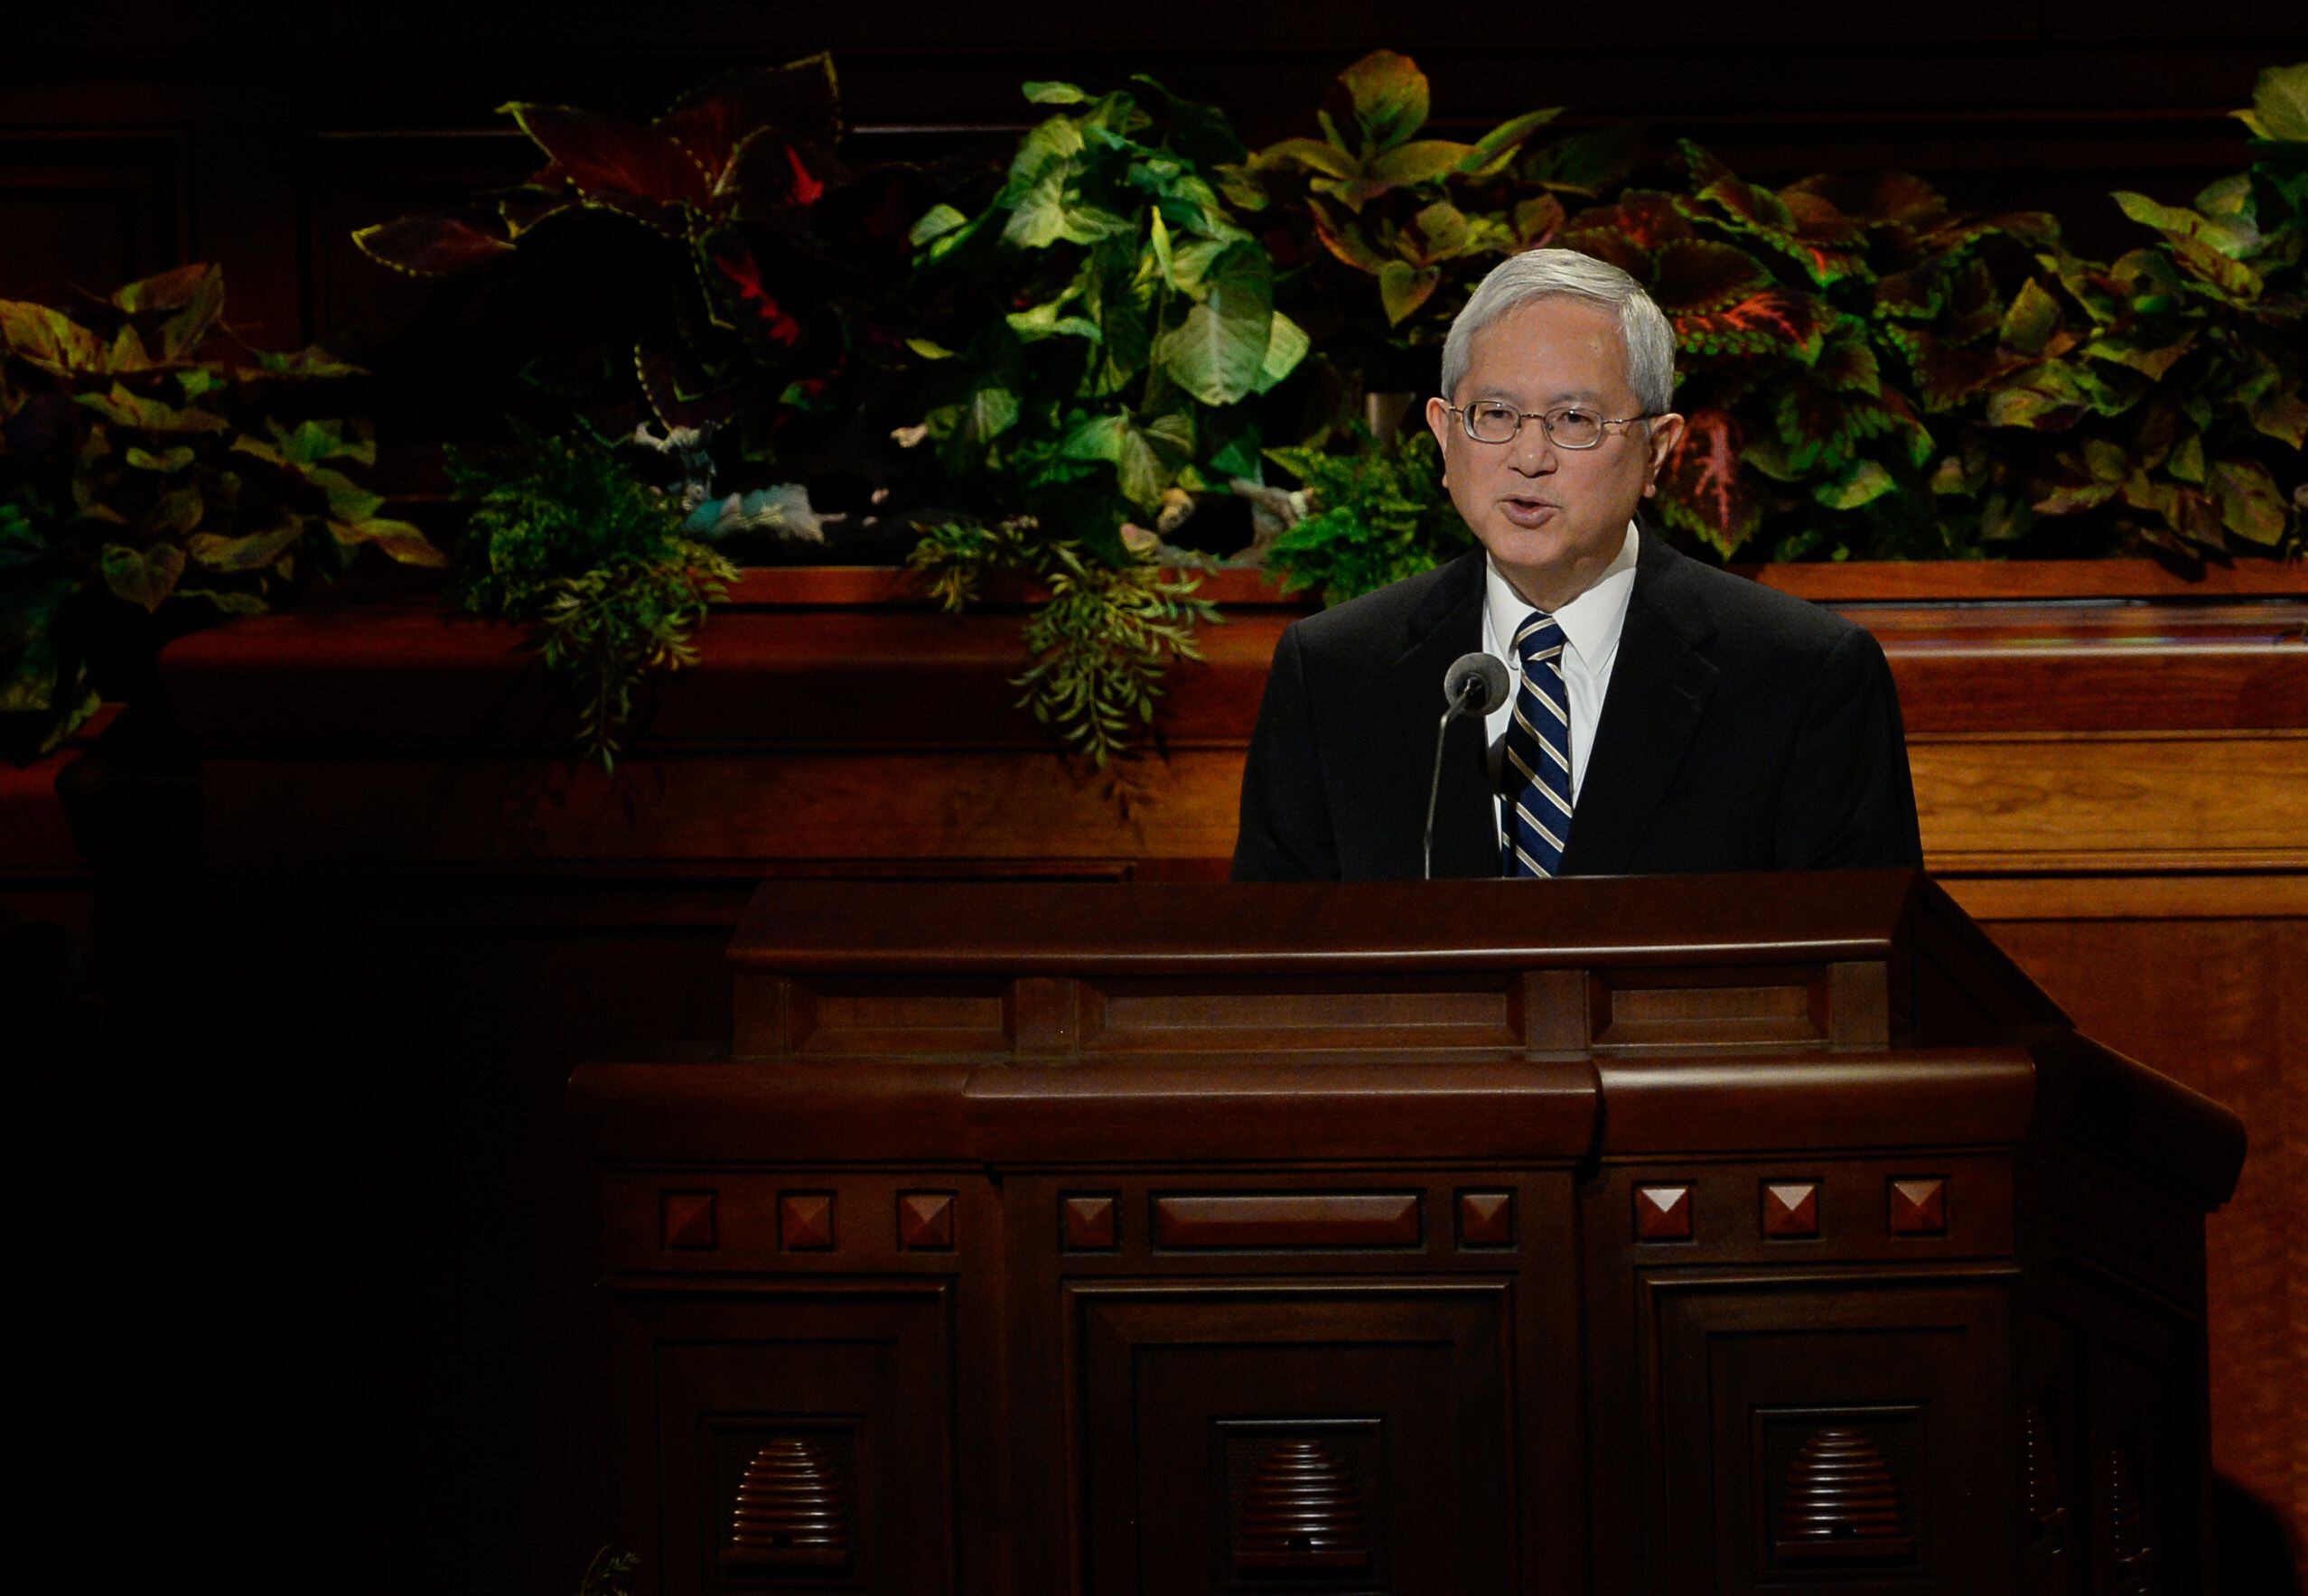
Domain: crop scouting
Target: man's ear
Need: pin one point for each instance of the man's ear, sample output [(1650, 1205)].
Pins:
[(1666, 432), (1438, 422)]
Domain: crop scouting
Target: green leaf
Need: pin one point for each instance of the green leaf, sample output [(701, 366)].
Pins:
[(401, 540), (150, 415), (48, 338), (1388, 95), (1402, 288), (2282, 412), (175, 513), (990, 411), (1865, 482), (1502, 140), (1586, 163), (935, 223), (348, 500), (142, 576), (168, 460), (2032, 318), (2280, 104), (1286, 346), (2186, 461), (251, 551), (1043, 92), (2250, 505), (1421, 161), (1314, 154), (1216, 353)]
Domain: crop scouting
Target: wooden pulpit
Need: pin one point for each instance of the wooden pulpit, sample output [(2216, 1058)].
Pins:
[(1670, 1234)]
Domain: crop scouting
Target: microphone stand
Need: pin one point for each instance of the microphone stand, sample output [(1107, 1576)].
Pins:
[(1467, 689)]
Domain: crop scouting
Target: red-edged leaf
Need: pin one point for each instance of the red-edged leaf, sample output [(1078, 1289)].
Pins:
[(772, 171), (1691, 276), (777, 325), (1645, 215), (1703, 487), (1882, 199), (1741, 202), (1848, 364), (614, 162), (430, 246), (1828, 243), (1775, 321), (1612, 244), (676, 401), (524, 208), (1946, 375), (801, 99)]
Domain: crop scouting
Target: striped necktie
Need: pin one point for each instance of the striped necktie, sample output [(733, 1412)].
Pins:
[(1535, 775)]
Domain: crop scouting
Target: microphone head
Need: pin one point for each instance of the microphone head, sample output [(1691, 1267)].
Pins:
[(1476, 683)]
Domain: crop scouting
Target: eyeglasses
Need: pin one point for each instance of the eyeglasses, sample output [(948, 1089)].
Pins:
[(1487, 421)]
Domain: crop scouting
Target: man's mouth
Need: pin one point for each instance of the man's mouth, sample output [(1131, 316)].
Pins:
[(1526, 512)]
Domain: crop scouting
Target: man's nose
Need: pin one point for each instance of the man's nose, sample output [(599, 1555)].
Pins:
[(1533, 453)]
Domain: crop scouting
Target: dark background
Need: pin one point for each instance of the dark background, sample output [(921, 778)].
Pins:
[(303, 1251)]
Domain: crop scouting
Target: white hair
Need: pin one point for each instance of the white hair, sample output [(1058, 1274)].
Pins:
[(1545, 274)]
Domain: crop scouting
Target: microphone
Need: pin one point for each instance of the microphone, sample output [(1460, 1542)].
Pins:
[(1473, 683)]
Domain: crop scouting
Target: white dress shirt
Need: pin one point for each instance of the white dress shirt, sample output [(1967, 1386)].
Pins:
[(1590, 625)]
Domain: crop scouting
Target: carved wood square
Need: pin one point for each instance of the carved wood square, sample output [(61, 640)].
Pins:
[(1791, 1209), (926, 1221), (1486, 1219), (1918, 1206), (686, 1221), (1662, 1213), (806, 1221), (1086, 1222)]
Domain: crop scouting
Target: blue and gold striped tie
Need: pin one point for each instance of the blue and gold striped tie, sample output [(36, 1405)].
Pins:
[(1535, 777)]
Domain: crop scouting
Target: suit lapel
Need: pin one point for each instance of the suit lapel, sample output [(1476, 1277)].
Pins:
[(1659, 686), (1447, 625)]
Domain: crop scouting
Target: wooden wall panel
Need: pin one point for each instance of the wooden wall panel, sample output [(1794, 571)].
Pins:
[(93, 205), (2221, 1004)]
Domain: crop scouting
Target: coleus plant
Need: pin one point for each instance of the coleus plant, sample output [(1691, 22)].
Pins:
[(1133, 328), (766, 329), (154, 470)]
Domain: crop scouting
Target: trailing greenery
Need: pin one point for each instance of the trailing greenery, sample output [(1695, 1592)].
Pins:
[(1374, 515), (155, 474), (563, 535), (1096, 649), (608, 1573)]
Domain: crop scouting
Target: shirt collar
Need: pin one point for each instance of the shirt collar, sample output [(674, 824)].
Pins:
[(1590, 623)]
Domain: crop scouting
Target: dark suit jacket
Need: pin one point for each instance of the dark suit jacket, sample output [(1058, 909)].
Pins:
[(1743, 730)]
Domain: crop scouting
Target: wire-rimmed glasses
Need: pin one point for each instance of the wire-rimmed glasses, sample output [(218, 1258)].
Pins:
[(1568, 427)]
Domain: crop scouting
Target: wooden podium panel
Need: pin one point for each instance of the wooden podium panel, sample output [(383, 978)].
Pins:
[(1671, 1235)]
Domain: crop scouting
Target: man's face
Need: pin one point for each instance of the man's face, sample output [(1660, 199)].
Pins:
[(1551, 517)]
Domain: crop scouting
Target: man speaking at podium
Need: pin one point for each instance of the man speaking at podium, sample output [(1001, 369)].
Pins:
[(1656, 714)]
